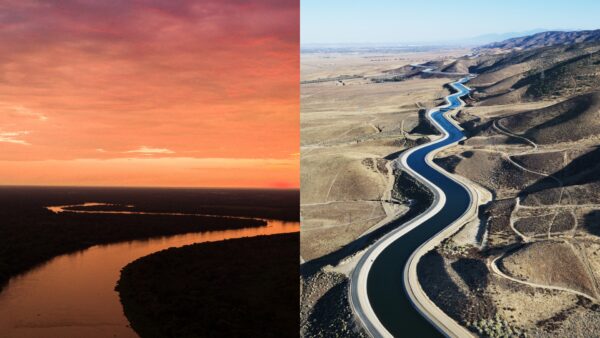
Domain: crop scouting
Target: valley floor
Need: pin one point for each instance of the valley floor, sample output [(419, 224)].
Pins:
[(351, 130)]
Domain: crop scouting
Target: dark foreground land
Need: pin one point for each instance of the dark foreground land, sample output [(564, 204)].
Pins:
[(236, 288), (31, 235)]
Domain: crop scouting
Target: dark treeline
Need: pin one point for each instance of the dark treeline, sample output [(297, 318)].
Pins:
[(262, 203), (244, 287), (30, 234)]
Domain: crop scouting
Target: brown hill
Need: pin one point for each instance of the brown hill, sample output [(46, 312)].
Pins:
[(576, 75), (549, 263), (543, 73), (567, 121), (461, 65)]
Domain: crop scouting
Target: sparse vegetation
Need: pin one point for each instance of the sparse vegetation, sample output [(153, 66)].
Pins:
[(450, 248), (495, 327)]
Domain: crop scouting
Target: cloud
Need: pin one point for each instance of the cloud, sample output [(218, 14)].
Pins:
[(240, 163), (25, 112), (155, 171), (12, 137), (211, 79), (150, 151)]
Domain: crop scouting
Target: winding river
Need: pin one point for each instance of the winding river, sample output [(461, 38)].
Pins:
[(386, 310), (73, 295)]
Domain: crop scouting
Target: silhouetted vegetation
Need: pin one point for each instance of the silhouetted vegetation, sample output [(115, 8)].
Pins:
[(244, 287), (30, 234)]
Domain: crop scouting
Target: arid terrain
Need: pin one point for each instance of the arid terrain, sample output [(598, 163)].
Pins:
[(350, 129), (533, 133), (528, 265), (359, 111)]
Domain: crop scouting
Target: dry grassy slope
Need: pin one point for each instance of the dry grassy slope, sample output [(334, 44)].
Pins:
[(579, 74), (527, 59), (549, 263), (509, 98), (346, 134), (503, 80), (406, 71), (348, 177), (460, 66), (543, 73), (580, 194), (582, 172), (546, 162), (487, 80), (488, 169), (568, 121)]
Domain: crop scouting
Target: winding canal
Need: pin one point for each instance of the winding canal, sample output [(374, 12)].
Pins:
[(386, 310)]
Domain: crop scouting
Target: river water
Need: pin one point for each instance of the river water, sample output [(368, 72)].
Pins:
[(73, 295)]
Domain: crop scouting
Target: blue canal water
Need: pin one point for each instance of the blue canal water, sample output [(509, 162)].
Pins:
[(385, 282)]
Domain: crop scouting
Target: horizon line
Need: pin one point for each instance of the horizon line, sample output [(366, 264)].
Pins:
[(141, 187), (453, 42)]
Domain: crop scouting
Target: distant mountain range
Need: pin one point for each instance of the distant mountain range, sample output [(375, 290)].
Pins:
[(543, 66), (403, 46), (505, 41), (545, 39), (494, 37)]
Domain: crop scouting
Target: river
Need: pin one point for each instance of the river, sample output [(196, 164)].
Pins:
[(73, 295)]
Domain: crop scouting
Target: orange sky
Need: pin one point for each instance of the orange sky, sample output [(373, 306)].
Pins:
[(149, 93)]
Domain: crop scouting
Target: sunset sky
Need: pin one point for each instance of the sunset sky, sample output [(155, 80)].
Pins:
[(149, 93)]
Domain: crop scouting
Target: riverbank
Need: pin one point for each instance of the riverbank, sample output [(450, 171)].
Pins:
[(30, 234), (240, 287), (93, 309)]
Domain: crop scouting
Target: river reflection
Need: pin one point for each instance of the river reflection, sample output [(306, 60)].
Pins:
[(73, 295)]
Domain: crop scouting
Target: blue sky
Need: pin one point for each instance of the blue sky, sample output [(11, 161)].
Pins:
[(401, 21)]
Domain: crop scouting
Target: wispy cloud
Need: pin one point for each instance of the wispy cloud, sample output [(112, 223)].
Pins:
[(155, 171), (26, 112), (215, 163), (13, 137), (150, 151), (149, 81)]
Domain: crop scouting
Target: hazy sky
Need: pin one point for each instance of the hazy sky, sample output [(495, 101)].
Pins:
[(380, 21), (150, 93)]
